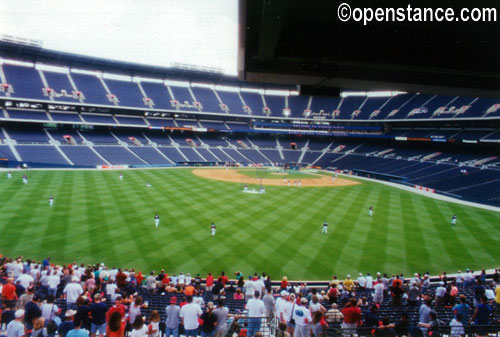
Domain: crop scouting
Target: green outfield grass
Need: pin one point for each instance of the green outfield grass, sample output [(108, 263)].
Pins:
[(98, 218)]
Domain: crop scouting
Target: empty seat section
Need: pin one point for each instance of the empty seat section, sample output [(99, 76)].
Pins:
[(183, 96), (264, 142), (82, 155), (393, 104), (237, 156), (102, 119), (191, 154), (297, 105), (161, 122), (221, 155), (291, 156), (276, 104), (310, 157), (6, 153), (59, 82), (232, 101), (65, 117), (370, 105), (172, 154), (158, 137), (254, 156), (158, 92), (324, 104), (128, 93), (99, 137), (433, 105), (207, 155), (118, 155), (149, 154), (59, 135), (415, 106), (41, 154), (130, 120), (213, 125), (92, 89), (348, 106), (207, 98), (273, 155), (27, 135), (28, 114), (26, 81), (254, 102)]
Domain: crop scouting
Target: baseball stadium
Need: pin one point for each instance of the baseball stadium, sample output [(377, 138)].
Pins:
[(300, 162)]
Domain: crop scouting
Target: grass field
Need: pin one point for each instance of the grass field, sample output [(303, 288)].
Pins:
[(98, 218)]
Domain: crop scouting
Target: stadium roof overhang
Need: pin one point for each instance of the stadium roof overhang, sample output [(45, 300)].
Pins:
[(303, 42)]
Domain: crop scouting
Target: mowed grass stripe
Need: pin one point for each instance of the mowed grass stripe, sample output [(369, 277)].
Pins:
[(98, 218)]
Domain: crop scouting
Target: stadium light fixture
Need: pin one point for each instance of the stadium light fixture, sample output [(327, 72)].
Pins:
[(202, 85), (257, 91), (54, 69), (139, 79), (117, 77), (176, 83), (277, 92), (86, 72), (344, 94), (227, 88), (18, 63)]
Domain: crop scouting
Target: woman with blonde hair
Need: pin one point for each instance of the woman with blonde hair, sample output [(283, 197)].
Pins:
[(284, 283)]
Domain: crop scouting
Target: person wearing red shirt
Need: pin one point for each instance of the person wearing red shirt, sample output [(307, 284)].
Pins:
[(284, 283), (223, 279), (118, 306), (121, 279), (352, 317), (139, 278), (9, 292), (210, 282)]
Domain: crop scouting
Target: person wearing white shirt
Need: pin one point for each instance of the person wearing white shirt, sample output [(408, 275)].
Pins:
[(256, 310), (440, 294), (302, 318), (72, 291), (52, 282), (250, 288), (378, 297), (110, 288), (112, 274), (361, 281), (25, 280), (457, 328), (17, 269), (259, 285), (281, 306), (188, 279), (189, 314), (369, 281)]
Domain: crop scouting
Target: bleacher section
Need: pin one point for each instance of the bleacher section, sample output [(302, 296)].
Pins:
[(28, 114), (26, 81), (63, 90), (41, 154), (127, 93), (91, 88)]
